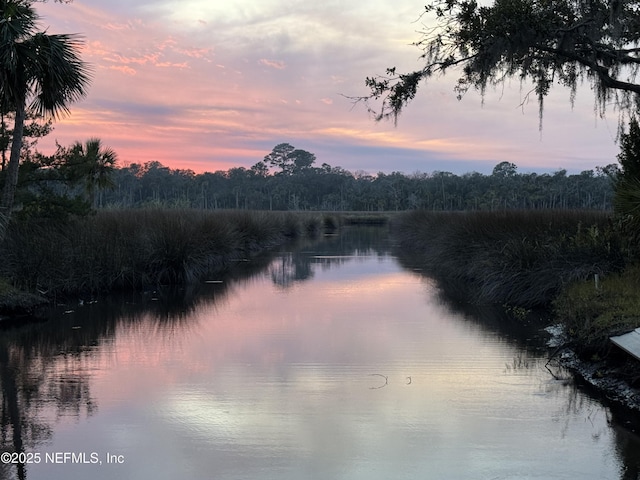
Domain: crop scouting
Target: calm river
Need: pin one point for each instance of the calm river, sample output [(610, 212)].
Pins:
[(328, 362)]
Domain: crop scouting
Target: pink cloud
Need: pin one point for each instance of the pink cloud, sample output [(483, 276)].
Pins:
[(219, 107), (123, 69), (171, 64), (117, 26), (96, 48), (140, 60), (195, 52), (167, 42), (277, 64)]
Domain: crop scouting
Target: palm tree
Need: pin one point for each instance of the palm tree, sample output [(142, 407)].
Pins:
[(39, 72), (94, 164)]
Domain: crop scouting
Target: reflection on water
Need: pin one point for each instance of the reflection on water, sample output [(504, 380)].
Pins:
[(328, 361)]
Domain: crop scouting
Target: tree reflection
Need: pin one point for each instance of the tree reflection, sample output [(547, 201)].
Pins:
[(289, 269), (45, 367), (525, 331), (627, 448), (299, 264), (21, 427)]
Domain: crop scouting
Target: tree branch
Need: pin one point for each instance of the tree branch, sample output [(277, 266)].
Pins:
[(601, 71)]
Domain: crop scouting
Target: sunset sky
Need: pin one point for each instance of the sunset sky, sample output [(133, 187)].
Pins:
[(212, 84)]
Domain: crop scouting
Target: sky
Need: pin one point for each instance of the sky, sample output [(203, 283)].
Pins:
[(209, 85)]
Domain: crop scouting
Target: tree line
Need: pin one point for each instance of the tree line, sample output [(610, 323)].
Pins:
[(329, 188), (42, 74), (85, 176)]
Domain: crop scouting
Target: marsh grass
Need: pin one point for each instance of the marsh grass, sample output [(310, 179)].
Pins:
[(122, 249), (13, 300), (517, 258), (591, 314)]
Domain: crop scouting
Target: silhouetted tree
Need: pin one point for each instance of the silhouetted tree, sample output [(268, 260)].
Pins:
[(334, 188), (302, 160), (280, 157), (627, 182), (39, 72), (535, 41), (93, 164), (288, 159)]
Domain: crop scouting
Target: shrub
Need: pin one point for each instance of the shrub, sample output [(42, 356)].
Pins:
[(592, 313)]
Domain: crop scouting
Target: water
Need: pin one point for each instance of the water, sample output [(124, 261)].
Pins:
[(330, 362)]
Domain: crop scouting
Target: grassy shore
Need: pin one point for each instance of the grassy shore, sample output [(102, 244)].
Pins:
[(591, 313), (139, 248), (13, 300), (517, 258), (123, 249), (571, 263)]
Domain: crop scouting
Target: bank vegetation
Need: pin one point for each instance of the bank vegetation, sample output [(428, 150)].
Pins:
[(576, 267), (139, 248), (520, 257)]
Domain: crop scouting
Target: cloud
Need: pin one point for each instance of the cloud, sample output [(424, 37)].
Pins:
[(196, 52), (117, 26), (171, 65), (277, 64), (140, 60), (123, 69), (197, 83)]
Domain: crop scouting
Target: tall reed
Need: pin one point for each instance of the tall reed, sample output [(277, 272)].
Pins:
[(135, 248), (519, 257)]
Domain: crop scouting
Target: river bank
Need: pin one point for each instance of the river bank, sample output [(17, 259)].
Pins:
[(521, 260), (16, 302), (48, 261), (607, 376), (547, 261), (135, 249), (328, 339)]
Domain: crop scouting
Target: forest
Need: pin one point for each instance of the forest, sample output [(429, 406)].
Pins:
[(336, 189), (269, 185)]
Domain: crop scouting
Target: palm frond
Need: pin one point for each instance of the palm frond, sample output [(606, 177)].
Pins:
[(57, 74), (18, 22)]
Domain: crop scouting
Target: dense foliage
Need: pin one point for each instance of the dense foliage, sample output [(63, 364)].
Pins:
[(40, 74), (336, 189), (627, 191), (63, 184)]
